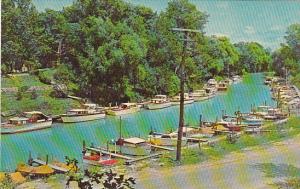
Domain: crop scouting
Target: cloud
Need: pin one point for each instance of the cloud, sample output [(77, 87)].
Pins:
[(249, 30)]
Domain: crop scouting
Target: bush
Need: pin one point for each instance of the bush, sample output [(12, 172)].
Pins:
[(44, 78)]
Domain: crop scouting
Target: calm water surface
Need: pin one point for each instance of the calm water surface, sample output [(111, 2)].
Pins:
[(66, 139)]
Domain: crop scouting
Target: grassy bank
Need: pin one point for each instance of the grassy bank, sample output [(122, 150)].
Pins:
[(223, 147), (26, 100)]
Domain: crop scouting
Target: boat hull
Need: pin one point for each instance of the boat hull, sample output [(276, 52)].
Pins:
[(201, 98), (27, 127), (122, 112), (153, 106), (165, 141), (74, 119), (174, 103)]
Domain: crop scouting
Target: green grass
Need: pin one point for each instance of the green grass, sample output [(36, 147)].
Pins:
[(20, 80), (44, 102), (223, 147)]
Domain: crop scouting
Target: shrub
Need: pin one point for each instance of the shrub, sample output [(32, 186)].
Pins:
[(34, 94)]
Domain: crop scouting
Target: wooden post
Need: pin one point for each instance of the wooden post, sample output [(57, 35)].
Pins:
[(47, 159), (120, 127), (200, 120), (30, 160)]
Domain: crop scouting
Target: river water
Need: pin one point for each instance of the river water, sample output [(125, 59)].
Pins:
[(66, 139)]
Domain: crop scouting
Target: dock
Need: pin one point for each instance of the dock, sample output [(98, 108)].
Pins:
[(162, 147), (56, 168), (109, 153), (129, 162)]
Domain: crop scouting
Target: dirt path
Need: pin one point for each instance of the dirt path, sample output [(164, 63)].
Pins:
[(236, 170)]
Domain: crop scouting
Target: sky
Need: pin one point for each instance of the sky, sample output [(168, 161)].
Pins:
[(263, 21)]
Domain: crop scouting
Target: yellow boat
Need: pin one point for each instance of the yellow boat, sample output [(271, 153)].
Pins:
[(16, 177), (42, 170)]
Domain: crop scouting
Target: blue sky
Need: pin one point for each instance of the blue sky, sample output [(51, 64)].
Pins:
[(264, 21)]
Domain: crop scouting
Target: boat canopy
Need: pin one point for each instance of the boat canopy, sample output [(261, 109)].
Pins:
[(160, 96), (33, 112), (134, 140), (90, 105), (18, 119)]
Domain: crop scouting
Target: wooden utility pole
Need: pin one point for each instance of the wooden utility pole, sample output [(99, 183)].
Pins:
[(182, 79)]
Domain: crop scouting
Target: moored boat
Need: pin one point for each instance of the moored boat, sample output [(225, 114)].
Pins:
[(98, 159), (222, 86), (124, 108), (158, 102), (199, 95), (169, 139), (132, 146), (89, 113), (29, 121), (187, 99), (42, 170)]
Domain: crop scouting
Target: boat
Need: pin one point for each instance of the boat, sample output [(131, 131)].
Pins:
[(252, 118), (199, 95), (236, 78), (274, 113), (187, 99), (88, 113), (29, 121), (231, 126), (210, 91), (169, 139), (261, 110), (124, 108), (133, 146), (42, 170), (98, 159), (222, 86), (268, 81), (212, 83), (158, 102)]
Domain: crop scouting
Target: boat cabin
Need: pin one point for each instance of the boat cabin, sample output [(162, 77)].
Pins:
[(159, 99), (78, 112), (28, 117), (133, 142), (128, 105)]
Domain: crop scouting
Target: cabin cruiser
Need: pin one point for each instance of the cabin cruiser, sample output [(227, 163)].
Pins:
[(29, 121), (169, 139), (123, 109), (236, 79), (222, 86), (88, 113), (187, 99), (158, 102), (199, 95)]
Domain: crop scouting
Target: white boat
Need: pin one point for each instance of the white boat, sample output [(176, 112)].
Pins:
[(187, 99), (89, 113), (199, 95), (222, 86), (211, 91), (212, 83), (132, 146), (30, 121), (236, 79), (158, 102), (165, 139), (124, 108)]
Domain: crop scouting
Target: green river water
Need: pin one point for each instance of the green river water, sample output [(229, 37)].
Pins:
[(66, 139)]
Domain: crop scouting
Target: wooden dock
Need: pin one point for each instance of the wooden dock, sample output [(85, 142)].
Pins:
[(129, 162), (109, 153), (56, 168), (162, 147)]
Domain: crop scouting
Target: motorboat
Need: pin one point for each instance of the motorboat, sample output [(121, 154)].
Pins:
[(187, 99), (158, 102), (123, 109)]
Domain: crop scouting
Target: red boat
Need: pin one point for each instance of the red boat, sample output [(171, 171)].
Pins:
[(99, 159), (233, 127)]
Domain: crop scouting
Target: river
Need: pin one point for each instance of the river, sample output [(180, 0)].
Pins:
[(66, 139)]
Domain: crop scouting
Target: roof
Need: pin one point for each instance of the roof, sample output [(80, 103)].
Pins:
[(165, 96), (134, 140), (18, 119), (128, 104), (33, 112), (78, 110), (90, 104)]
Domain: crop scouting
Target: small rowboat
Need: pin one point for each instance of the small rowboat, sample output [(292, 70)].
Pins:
[(99, 159)]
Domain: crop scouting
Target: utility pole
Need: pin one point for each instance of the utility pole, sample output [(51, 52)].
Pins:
[(182, 79)]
